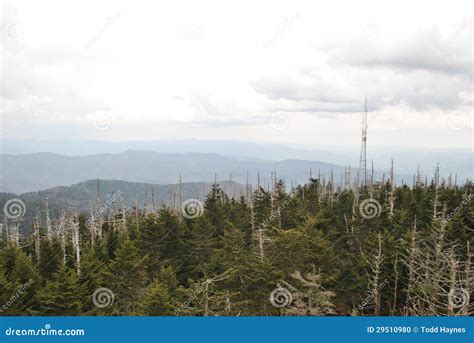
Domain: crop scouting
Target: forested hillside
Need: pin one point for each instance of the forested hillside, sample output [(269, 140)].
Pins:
[(81, 196), (375, 250)]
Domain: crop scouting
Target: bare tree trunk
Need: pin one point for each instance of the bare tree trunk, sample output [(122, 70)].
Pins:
[(467, 309), (76, 243), (377, 270), (395, 291), (36, 228), (206, 299), (123, 220), (453, 267), (48, 220), (260, 240), (92, 225)]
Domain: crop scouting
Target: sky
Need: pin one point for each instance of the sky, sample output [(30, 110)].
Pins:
[(292, 72)]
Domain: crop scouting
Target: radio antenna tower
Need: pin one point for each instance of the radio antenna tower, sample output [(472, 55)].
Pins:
[(363, 148)]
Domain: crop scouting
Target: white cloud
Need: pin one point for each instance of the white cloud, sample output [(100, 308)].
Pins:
[(213, 70)]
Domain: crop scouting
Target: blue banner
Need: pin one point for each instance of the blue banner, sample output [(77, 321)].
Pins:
[(237, 329)]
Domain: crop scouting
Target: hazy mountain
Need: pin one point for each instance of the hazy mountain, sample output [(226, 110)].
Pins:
[(32, 172), (406, 161), (233, 149)]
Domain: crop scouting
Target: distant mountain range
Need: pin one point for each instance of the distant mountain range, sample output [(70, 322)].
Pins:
[(406, 161), (39, 171)]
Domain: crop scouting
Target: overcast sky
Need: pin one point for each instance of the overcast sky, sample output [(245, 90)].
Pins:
[(267, 71)]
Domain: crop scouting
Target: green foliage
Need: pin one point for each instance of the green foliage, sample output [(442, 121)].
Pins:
[(156, 300), (313, 239), (62, 295)]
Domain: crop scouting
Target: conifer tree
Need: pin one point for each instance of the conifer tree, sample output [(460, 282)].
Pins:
[(156, 300), (126, 277), (62, 295)]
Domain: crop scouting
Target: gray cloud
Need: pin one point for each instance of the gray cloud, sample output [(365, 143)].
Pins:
[(426, 50), (427, 71)]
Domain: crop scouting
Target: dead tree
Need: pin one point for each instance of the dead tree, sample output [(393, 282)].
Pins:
[(153, 199), (413, 254), (467, 282), (48, 220), (36, 232), (61, 233), (92, 226), (375, 263), (206, 300), (74, 224), (395, 287), (123, 216), (308, 297)]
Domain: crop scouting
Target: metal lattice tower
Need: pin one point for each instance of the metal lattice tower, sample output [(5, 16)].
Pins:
[(363, 148)]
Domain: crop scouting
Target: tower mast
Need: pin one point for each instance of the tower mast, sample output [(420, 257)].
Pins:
[(363, 148)]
